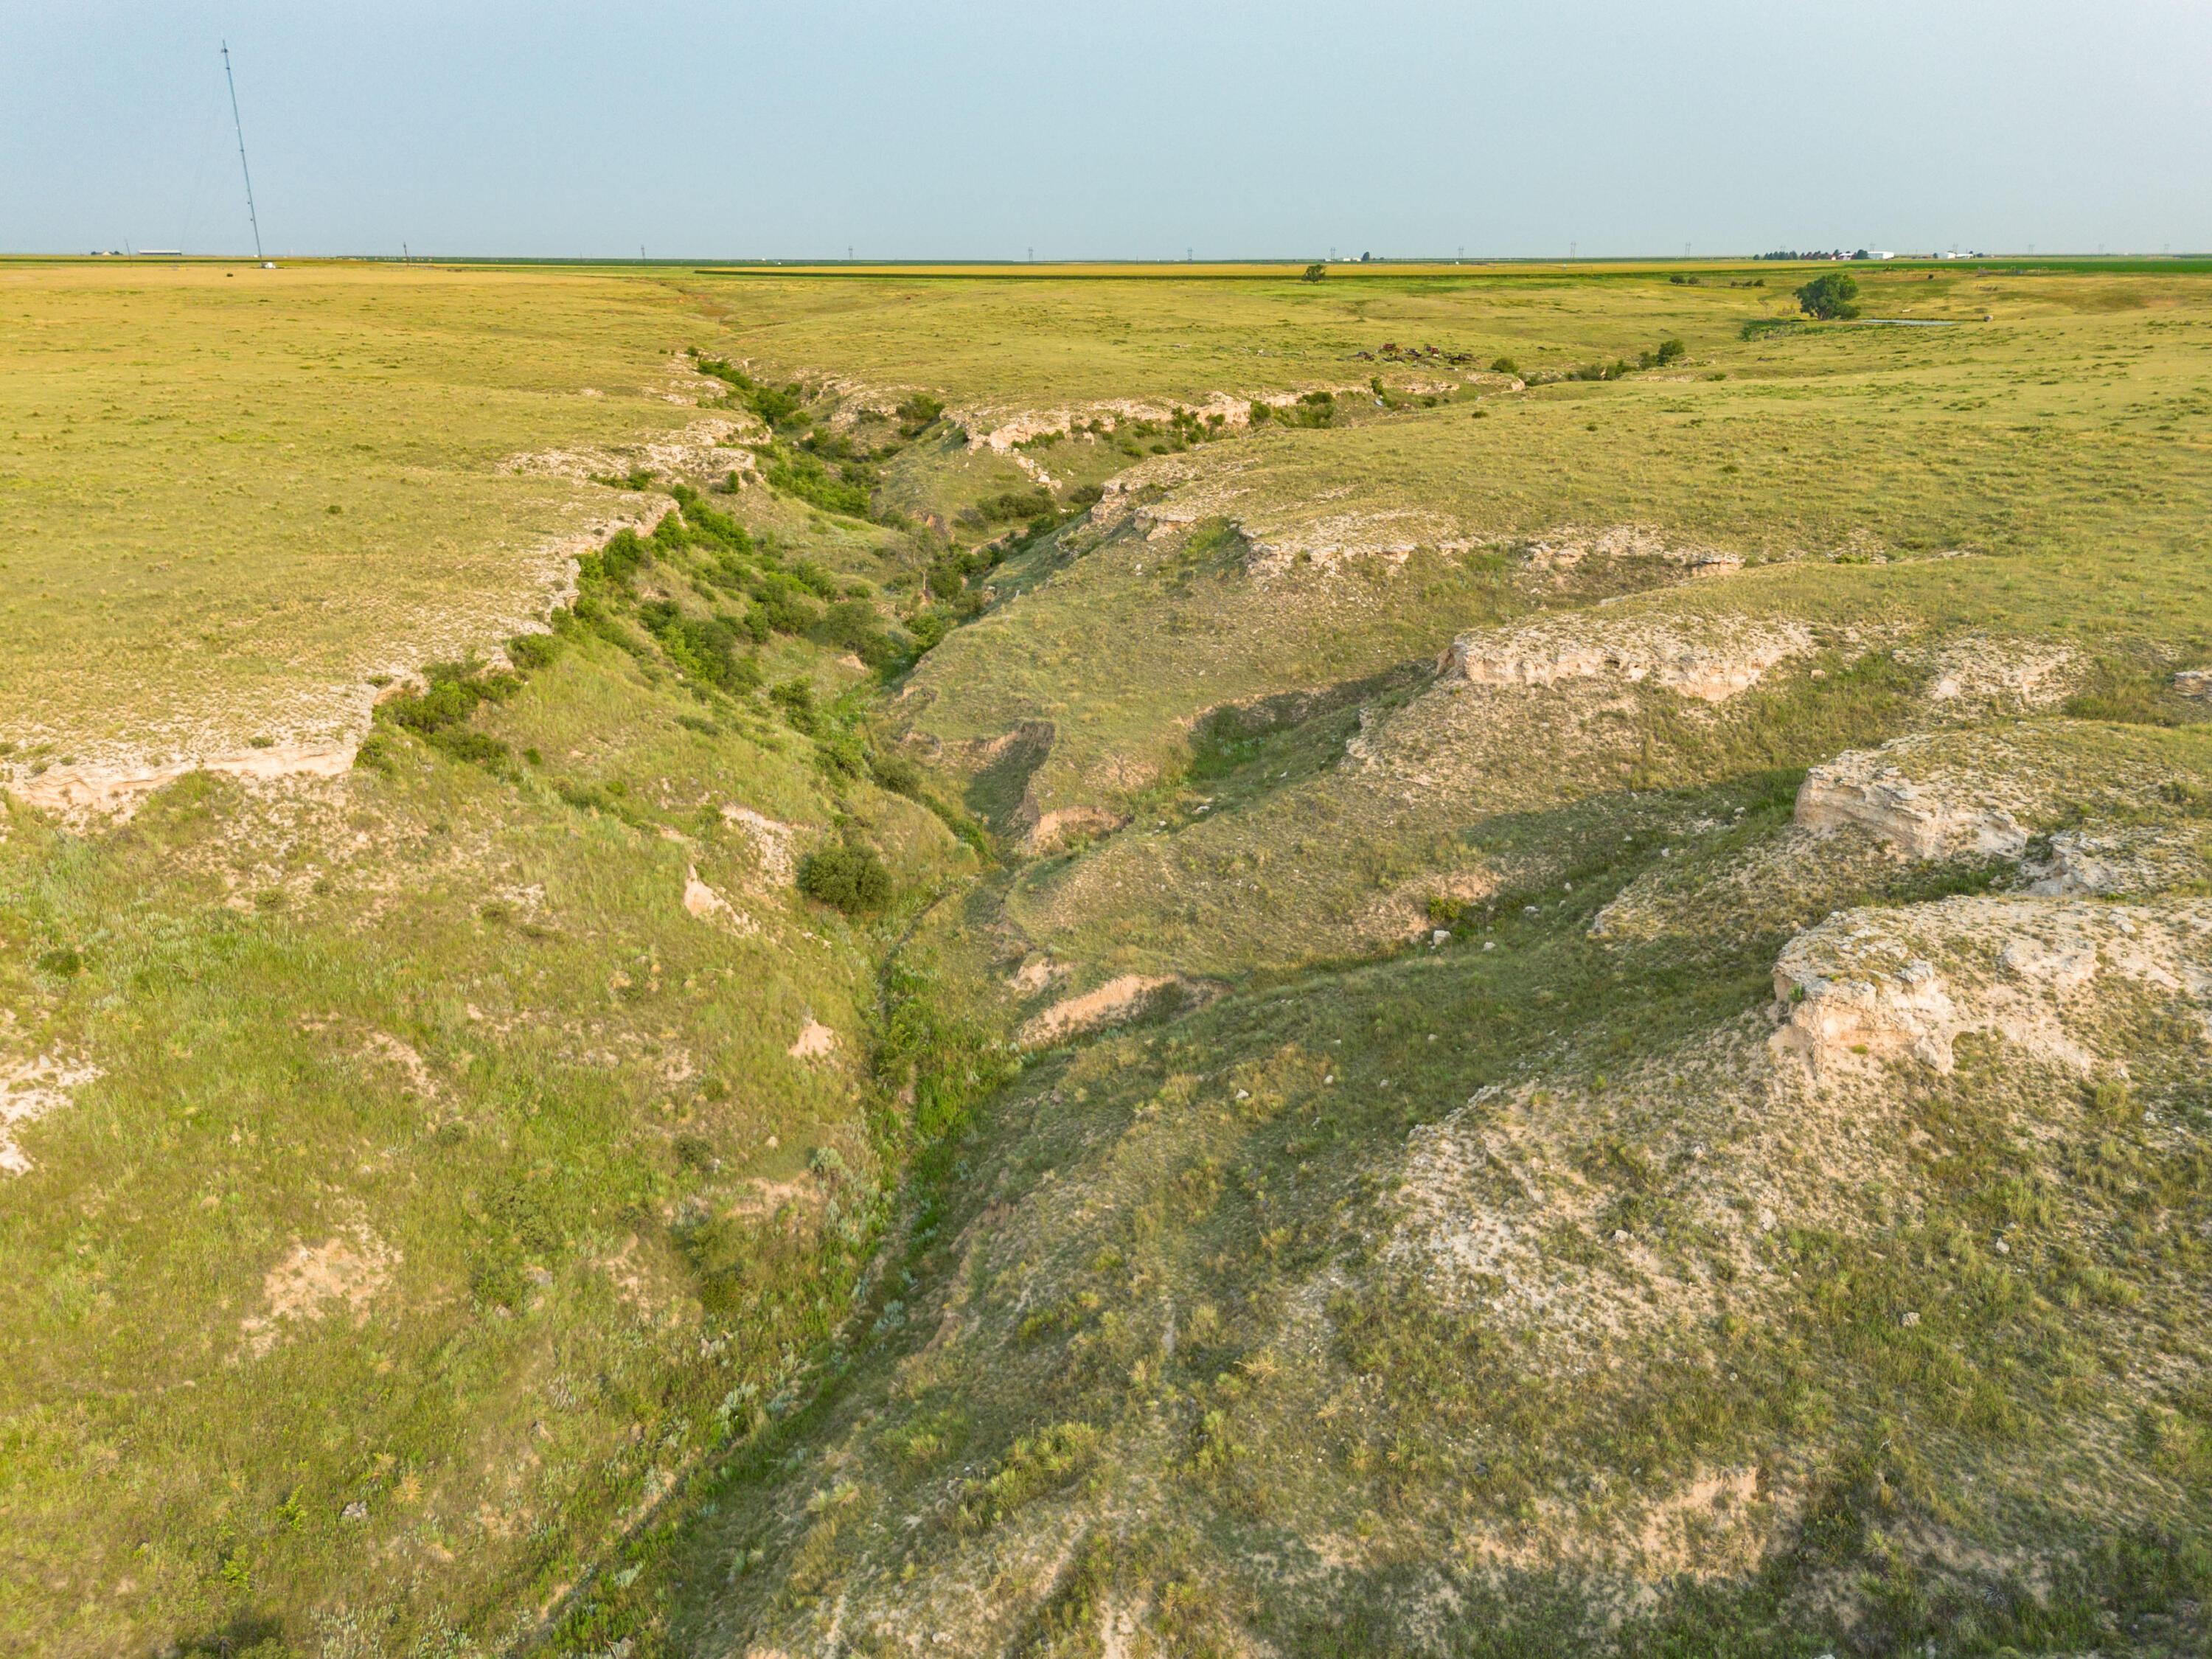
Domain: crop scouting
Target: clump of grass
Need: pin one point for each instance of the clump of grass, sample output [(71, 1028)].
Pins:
[(1047, 1461)]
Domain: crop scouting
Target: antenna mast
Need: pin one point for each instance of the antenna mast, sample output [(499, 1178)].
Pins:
[(240, 127)]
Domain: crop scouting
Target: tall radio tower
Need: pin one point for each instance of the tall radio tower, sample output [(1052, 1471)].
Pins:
[(251, 218)]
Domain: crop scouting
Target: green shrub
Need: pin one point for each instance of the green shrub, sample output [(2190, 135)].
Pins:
[(847, 878), (709, 525), (823, 584), (705, 648), (1504, 366), (929, 628), (1010, 506), (1314, 273), (616, 562), (919, 413), (798, 473), (531, 652), (796, 698), (897, 772), (851, 624), (1034, 1465), (784, 604)]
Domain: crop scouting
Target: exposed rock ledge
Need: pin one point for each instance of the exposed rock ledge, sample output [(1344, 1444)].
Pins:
[(78, 793), (1924, 817), (1875, 984), (1711, 661)]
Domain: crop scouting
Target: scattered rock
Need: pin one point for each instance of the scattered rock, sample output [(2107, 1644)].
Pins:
[(2134, 860), (774, 844), (1865, 987)]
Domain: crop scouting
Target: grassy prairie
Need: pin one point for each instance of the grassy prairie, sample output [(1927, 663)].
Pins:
[(1025, 344), (1538, 1194), (231, 494), (2068, 446)]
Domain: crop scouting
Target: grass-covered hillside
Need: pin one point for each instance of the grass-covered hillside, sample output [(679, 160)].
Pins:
[(1451, 962)]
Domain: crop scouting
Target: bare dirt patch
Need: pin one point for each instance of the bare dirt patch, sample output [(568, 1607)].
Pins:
[(704, 902), (1116, 1000), (342, 1275), (29, 1091)]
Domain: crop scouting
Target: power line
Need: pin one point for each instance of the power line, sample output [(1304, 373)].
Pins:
[(251, 218)]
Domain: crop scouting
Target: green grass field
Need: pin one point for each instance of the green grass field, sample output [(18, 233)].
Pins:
[(1138, 1035)]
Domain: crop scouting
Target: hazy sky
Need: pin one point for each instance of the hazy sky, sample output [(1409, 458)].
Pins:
[(1139, 128)]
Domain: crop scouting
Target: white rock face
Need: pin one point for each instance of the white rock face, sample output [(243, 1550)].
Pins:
[(1711, 661), (1876, 790)]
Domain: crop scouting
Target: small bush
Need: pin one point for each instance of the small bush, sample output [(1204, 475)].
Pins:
[(919, 413), (851, 624), (929, 628), (1504, 366), (1012, 505), (796, 698), (1314, 273), (847, 878), (706, 524), (798, 473), (705, 648), (1035, 1465), (784, 604), (531, 652), (897, 772)]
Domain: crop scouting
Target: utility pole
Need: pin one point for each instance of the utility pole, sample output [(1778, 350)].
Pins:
[(239, 126)]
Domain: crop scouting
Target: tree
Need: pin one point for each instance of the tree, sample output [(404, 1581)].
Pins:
[(1315, 272), (1829, 297)]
